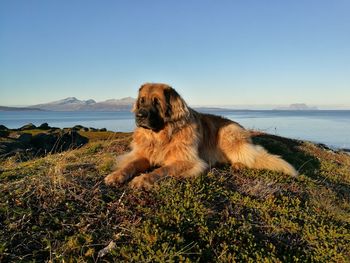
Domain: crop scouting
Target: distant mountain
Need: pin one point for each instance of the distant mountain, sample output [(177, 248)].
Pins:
[(112, 104), (67, 104), (297, 106), (74, 104), (4, 108)]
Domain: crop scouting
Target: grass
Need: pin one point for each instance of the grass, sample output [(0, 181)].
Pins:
[(56, 208)]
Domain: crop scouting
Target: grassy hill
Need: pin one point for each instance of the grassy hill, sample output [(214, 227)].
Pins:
[(57, 208)]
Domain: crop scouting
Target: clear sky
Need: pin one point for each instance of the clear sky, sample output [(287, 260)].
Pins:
[(225, 52)]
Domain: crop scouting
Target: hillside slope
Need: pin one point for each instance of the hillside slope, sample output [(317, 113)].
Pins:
[(57, 208)]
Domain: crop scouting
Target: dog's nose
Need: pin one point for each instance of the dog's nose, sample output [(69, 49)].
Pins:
[(142, 113)]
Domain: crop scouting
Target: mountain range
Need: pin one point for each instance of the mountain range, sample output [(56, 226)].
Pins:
[(74, 104)]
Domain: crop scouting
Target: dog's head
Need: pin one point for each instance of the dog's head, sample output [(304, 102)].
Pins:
[(158, 104)]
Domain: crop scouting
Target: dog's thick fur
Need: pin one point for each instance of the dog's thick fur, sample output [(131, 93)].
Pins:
[(175, 140)]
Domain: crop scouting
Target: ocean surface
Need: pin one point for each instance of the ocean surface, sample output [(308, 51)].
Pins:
[(321, 126)]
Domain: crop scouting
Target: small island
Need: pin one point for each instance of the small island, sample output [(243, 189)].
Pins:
[(297, 106)]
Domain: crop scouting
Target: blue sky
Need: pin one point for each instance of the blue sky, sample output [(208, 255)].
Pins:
[(223, 52)]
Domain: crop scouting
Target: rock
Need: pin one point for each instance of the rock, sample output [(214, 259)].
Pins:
[(10, 148), (103, 130), (51, 140), (93, 129), (25, 138), (44, 142), (29, 126), (78, 127), (53, 129), (73, 139), (58, 141), (3, 149), (3, 128), (44, 126), (4, 133), (346, 150)]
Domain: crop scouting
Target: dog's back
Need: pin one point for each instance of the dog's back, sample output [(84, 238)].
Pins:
[(225, 141)]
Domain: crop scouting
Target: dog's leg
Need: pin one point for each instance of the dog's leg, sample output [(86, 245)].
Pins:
[(180, 169), (127, 171)]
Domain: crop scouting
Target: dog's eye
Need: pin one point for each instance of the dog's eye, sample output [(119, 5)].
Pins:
[(142, 100), (155, 101)]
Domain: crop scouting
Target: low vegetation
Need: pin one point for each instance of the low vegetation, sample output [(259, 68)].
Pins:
[(57, 208)]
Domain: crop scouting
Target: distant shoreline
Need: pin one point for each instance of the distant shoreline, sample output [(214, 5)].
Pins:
[(329, 127), (204, 109), (5, 108)]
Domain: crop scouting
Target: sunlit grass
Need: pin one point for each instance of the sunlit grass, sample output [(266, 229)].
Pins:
[(57, 208)]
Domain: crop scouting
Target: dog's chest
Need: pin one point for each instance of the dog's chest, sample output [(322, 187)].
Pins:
[(154, 145), (163, 148)]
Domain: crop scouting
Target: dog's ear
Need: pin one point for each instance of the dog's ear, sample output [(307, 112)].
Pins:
[(176, 108)]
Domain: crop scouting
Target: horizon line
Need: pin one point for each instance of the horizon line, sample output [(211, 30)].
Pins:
[(240, 106)]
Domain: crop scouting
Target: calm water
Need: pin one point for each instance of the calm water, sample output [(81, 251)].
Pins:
[(328, 127)]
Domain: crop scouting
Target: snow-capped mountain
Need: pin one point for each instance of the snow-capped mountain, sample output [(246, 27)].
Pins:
[(74, 104)]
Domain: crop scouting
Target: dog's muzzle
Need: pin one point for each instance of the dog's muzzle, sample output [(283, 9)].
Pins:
[(142, 120), (148, 119), (142, 114)]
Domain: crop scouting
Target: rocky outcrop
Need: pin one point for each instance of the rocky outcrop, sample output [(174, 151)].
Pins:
[(3, 128), (44, 126), (51, 140), (27, 127), (4, 132)]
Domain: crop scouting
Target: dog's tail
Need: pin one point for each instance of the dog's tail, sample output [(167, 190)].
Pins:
[(255, 156)]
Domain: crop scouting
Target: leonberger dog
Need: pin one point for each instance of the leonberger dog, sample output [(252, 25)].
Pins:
[(171, 139)]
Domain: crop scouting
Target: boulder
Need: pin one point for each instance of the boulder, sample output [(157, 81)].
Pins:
[(3, 128), (72, 139), (44, 142), (25, 138), (78, 127), (44, 126), (58, 141), (4, 133), (53, 129), (29, 126), (103, 130), (27, 145), (10, 148)]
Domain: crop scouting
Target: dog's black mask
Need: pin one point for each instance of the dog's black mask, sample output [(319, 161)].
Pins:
[(149, 117)]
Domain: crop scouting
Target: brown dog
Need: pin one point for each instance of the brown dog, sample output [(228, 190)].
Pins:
[(175, 140)]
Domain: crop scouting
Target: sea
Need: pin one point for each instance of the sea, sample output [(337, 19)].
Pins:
[(329, 127)]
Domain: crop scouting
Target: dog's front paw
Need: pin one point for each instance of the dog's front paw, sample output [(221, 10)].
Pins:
[(115, 178), (141, 182)]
